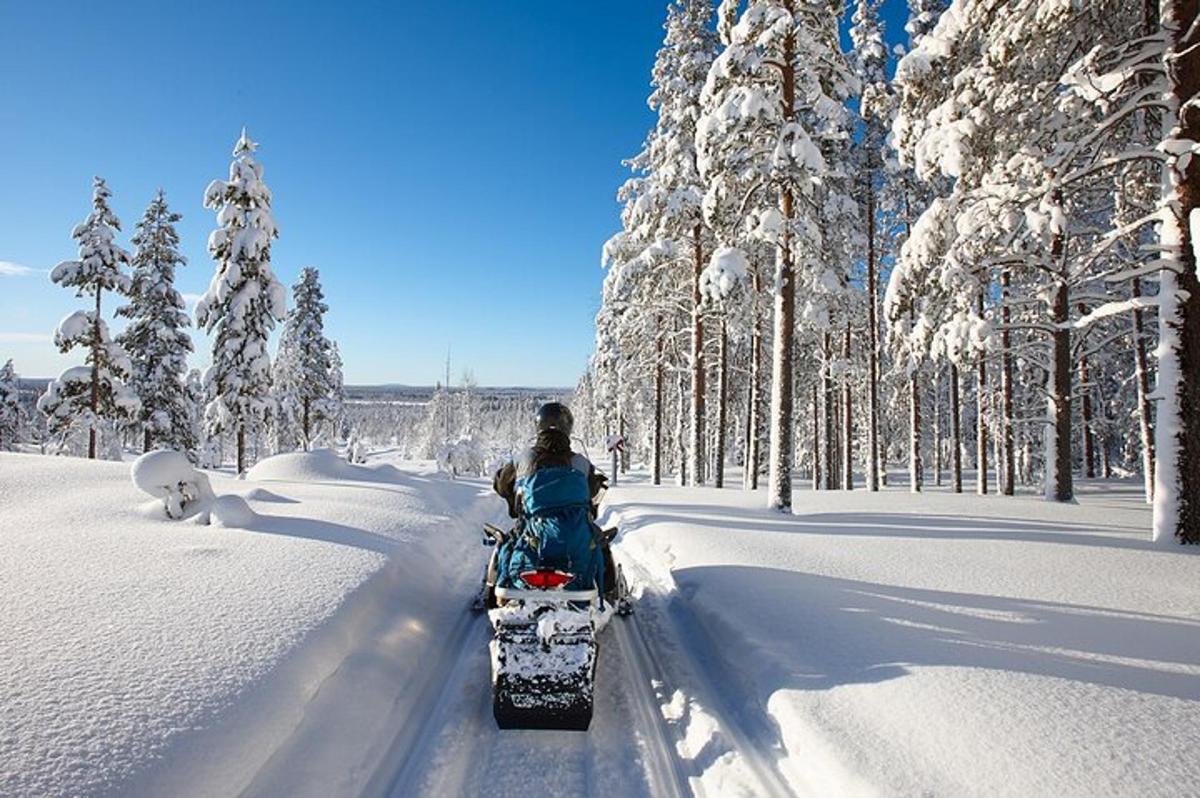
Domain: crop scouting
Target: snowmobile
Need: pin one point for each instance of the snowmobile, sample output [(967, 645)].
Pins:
[(543, 647)]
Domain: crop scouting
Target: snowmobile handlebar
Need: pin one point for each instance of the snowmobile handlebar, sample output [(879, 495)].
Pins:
[(492, 535)]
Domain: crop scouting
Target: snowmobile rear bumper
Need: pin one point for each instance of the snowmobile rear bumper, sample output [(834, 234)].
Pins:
[(543, 667)]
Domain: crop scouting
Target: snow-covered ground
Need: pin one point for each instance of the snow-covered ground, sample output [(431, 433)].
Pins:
[(895, 644), (144, 656), (882, 644)]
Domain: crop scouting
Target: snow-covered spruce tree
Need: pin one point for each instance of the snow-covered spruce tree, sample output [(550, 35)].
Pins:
[(244, 300), (156, 339), (11, 414), (285, 431), (771, 96), (663, 202), (303, 369), (84, 397), (206, 453), (335, 407)]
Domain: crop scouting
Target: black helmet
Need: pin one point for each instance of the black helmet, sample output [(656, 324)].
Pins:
[(555, 416)]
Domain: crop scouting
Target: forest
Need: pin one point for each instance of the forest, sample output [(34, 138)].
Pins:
[(967, 260)]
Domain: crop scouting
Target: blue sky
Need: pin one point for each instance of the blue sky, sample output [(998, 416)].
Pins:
[(450, 167)]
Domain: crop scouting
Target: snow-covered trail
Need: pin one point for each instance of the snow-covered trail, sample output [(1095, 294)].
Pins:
[(891, 644), (637, 744)]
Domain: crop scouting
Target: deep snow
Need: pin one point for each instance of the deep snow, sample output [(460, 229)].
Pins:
[(899, 644), (145, 656), (885, 644)]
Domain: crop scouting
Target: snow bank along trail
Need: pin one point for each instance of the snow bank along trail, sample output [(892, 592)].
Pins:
[(891, 644), (145, 657)]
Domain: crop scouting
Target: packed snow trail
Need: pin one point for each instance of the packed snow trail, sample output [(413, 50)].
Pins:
[(451, 746)]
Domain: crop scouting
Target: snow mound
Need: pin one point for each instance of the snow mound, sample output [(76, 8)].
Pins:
[(264, 495), (317, 466), (231, 511), (166, 474)]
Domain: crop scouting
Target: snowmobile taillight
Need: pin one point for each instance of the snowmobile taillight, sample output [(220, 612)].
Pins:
[(546, 578)]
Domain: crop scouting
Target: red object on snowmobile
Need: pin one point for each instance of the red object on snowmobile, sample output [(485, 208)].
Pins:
[(546, 578)]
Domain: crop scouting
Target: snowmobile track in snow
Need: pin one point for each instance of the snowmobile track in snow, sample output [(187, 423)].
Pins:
[(641, 654), (398, 771), (456, 695)]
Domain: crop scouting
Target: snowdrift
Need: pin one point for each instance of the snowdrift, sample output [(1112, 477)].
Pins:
[(320, 465), (142, 656), (891, 644)]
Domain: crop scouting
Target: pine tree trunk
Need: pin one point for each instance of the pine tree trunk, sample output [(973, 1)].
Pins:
[(782, 446), (981, 440), (937, 426), (145, 439), (1006, 390), (698, 387), (955, 431), (816, 438), (722, 410), (241, 449), (307, 437), (624, 450), (95, 398), (680, 416), (847, 417), (1089, 441), (873, 346), (915, 467), (658, 412), (1142, 381), (1177, 430), (1058, 447), (827, 412), (754, 450)]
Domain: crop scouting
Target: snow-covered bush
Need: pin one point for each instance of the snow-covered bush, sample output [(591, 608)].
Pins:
[(465, 456), (168, 475), (356, 450)]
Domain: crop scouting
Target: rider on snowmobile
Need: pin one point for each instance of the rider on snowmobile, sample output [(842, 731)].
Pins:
[(552, 448)]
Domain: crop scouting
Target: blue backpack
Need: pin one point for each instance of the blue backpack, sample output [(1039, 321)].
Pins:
[(555, 530)]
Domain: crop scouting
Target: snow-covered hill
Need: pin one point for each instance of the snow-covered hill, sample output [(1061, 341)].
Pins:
[(156, 657)]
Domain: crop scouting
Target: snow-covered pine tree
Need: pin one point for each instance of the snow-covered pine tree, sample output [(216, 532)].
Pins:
[(285, 431), (156, 339), (11, 414), (1177, 445), (663, 204), (303, 371), (244, 301), (983, 106), (84, 397), (771, 96), (336, 404)]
